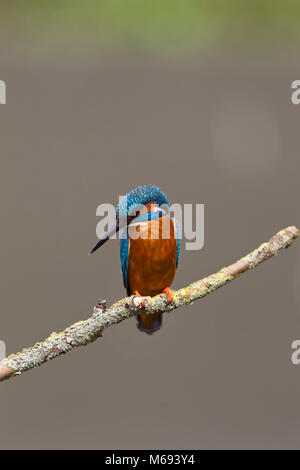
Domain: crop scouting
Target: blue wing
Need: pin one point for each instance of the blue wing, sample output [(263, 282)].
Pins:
[(124, 253)]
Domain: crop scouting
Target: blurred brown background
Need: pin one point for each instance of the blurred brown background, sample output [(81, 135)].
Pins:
[(214, 126)]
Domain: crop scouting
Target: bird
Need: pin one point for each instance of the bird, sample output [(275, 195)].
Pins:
[(149, 247)]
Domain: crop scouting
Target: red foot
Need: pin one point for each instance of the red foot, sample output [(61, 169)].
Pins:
[(168, 291), (137, 294)]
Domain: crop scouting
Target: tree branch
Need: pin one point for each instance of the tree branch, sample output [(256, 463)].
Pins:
[(84, 332)]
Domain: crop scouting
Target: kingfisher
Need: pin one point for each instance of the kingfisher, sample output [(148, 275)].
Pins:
[(149, 247)]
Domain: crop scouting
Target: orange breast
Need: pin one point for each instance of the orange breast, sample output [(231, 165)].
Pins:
[(152, 260)]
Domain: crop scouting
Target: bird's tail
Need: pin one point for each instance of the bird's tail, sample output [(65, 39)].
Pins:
[(149, 323)]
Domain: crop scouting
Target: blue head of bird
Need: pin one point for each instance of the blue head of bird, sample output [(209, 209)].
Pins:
[(129, 207)]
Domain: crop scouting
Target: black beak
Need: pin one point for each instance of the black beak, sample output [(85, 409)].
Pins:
[(110, 232)]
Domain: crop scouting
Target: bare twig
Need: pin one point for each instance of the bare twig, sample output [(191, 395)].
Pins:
[(84, 332)]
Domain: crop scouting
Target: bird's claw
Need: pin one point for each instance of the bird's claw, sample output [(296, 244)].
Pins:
[(169, 294), (137, 302)]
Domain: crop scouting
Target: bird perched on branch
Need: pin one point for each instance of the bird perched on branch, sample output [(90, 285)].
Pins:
[(149, 247)]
